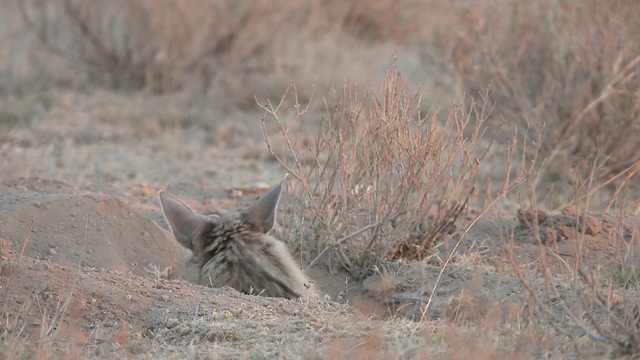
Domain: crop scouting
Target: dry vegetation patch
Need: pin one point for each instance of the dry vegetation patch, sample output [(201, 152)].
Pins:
[(404, 188), (384, 179), (568, 69)]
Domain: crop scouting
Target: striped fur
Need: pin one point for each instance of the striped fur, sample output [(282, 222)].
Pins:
[(235, 250)]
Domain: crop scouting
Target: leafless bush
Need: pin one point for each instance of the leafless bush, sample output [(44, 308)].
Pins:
[(572, 65), (383, 180), (138, 44), (162, 46)]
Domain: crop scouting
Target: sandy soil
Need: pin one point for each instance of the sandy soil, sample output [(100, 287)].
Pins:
[(89, 270)]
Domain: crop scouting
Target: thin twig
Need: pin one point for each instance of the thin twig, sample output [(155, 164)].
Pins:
[(26, 241), (347, 237)]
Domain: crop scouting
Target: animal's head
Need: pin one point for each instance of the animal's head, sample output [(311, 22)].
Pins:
[(188, 226), (235, 250)]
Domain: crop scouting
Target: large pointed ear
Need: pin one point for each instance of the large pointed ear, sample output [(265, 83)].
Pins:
[(262, 214), (185, 224)]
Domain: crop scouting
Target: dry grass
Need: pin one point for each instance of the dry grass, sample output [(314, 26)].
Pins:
[(566, 69), (387, 179), (204, 46), (569, 68), (582, 283)]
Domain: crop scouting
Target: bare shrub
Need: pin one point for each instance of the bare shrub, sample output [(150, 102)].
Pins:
[(572, 65), (162, 46), (383, 180), (136, 44)]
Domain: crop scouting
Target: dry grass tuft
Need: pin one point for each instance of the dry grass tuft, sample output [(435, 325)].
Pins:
[(582, 284)]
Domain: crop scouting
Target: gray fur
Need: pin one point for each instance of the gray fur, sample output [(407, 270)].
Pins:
[(235, 250)]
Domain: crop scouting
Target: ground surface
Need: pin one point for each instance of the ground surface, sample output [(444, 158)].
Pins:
[(88, 268), (105, 103)]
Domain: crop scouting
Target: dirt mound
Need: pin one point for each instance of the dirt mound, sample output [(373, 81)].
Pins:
[(85, 290), (109, 314), (71, 295), (54, 225)]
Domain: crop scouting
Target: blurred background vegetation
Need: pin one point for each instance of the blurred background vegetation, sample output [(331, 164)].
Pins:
[(566, 70)]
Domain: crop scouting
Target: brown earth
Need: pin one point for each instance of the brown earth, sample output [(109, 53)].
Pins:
[(89, 269)]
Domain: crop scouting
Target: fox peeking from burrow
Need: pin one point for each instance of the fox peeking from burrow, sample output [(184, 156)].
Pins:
[(235, 250)]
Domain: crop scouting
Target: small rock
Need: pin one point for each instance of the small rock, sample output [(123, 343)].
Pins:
[(52, 251)]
